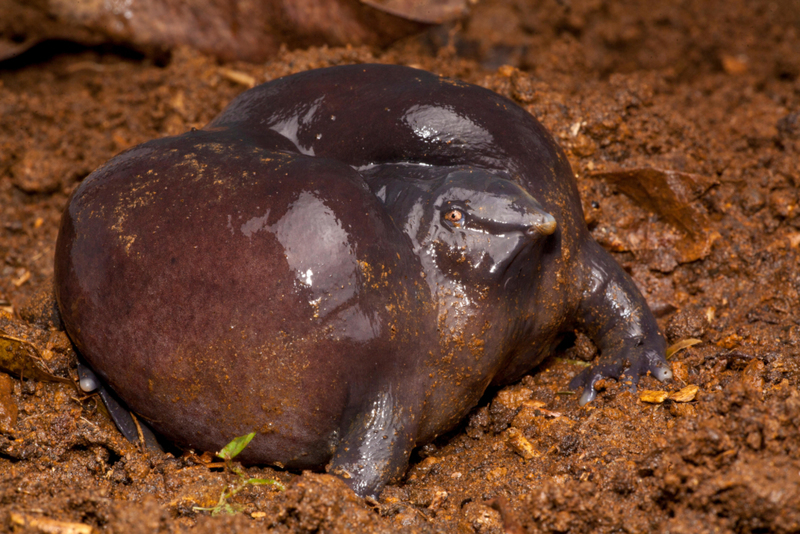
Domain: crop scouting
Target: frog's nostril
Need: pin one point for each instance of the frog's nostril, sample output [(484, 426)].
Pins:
[(545, 224)]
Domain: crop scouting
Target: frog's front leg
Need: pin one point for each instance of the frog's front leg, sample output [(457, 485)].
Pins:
[(376, 444), (616, 317)]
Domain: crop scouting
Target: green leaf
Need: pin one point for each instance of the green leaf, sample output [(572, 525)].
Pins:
[(237, 445)]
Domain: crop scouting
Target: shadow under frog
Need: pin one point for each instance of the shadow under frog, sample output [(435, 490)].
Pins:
[(342, 261)]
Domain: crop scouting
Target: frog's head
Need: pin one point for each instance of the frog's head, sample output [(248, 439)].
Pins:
[(481, 222)]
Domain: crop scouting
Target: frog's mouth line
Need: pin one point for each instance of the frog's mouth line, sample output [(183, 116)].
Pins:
[(521, 252), (535, 234), (532, 230)]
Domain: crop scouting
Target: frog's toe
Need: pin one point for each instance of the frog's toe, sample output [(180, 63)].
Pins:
[(588, 395), (649, 361), (587, 379), (133, 429), (87, 380), (628, 370), (662, 373)]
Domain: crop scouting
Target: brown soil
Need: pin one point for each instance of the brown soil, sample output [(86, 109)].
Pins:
[(707, 93)]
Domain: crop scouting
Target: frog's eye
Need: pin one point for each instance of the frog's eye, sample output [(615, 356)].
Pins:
[(454, 216)]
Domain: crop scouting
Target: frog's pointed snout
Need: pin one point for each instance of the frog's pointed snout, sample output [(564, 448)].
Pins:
[(543, 224)]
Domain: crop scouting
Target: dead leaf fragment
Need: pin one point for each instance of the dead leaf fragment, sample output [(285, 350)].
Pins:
[(671, 195), (23, 359), (520, 444), (8, 405), (249, 30), (686, 394), (49, 526), (426, 11), (680, 345), (237, 76), (653, 397), (22, 279)]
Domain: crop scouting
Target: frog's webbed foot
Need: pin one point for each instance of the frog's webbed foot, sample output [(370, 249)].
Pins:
[(376, 446), (627, 367), (617, 318)]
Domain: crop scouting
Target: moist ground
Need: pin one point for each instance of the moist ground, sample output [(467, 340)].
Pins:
[(697, 102)]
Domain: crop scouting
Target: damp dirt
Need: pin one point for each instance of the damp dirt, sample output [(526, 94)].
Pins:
[(697, 104)]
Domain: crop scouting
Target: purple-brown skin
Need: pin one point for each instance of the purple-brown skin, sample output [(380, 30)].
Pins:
[(342, 261)]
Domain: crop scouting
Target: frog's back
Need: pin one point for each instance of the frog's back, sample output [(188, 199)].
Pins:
[(233, 288)]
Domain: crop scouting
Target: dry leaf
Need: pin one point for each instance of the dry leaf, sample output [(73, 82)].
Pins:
[(520, 444), (672, 195), (50, 526), (23, 359), (427, 11), (653, 397), (237, 76), (248, 30), (687, 394), (680, 345)]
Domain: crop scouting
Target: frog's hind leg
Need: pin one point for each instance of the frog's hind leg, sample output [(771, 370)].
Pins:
[(615, 315), (376, 443), (131, 427)]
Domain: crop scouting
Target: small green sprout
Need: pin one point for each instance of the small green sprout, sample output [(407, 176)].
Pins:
[(237, 445), (228, 453)]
